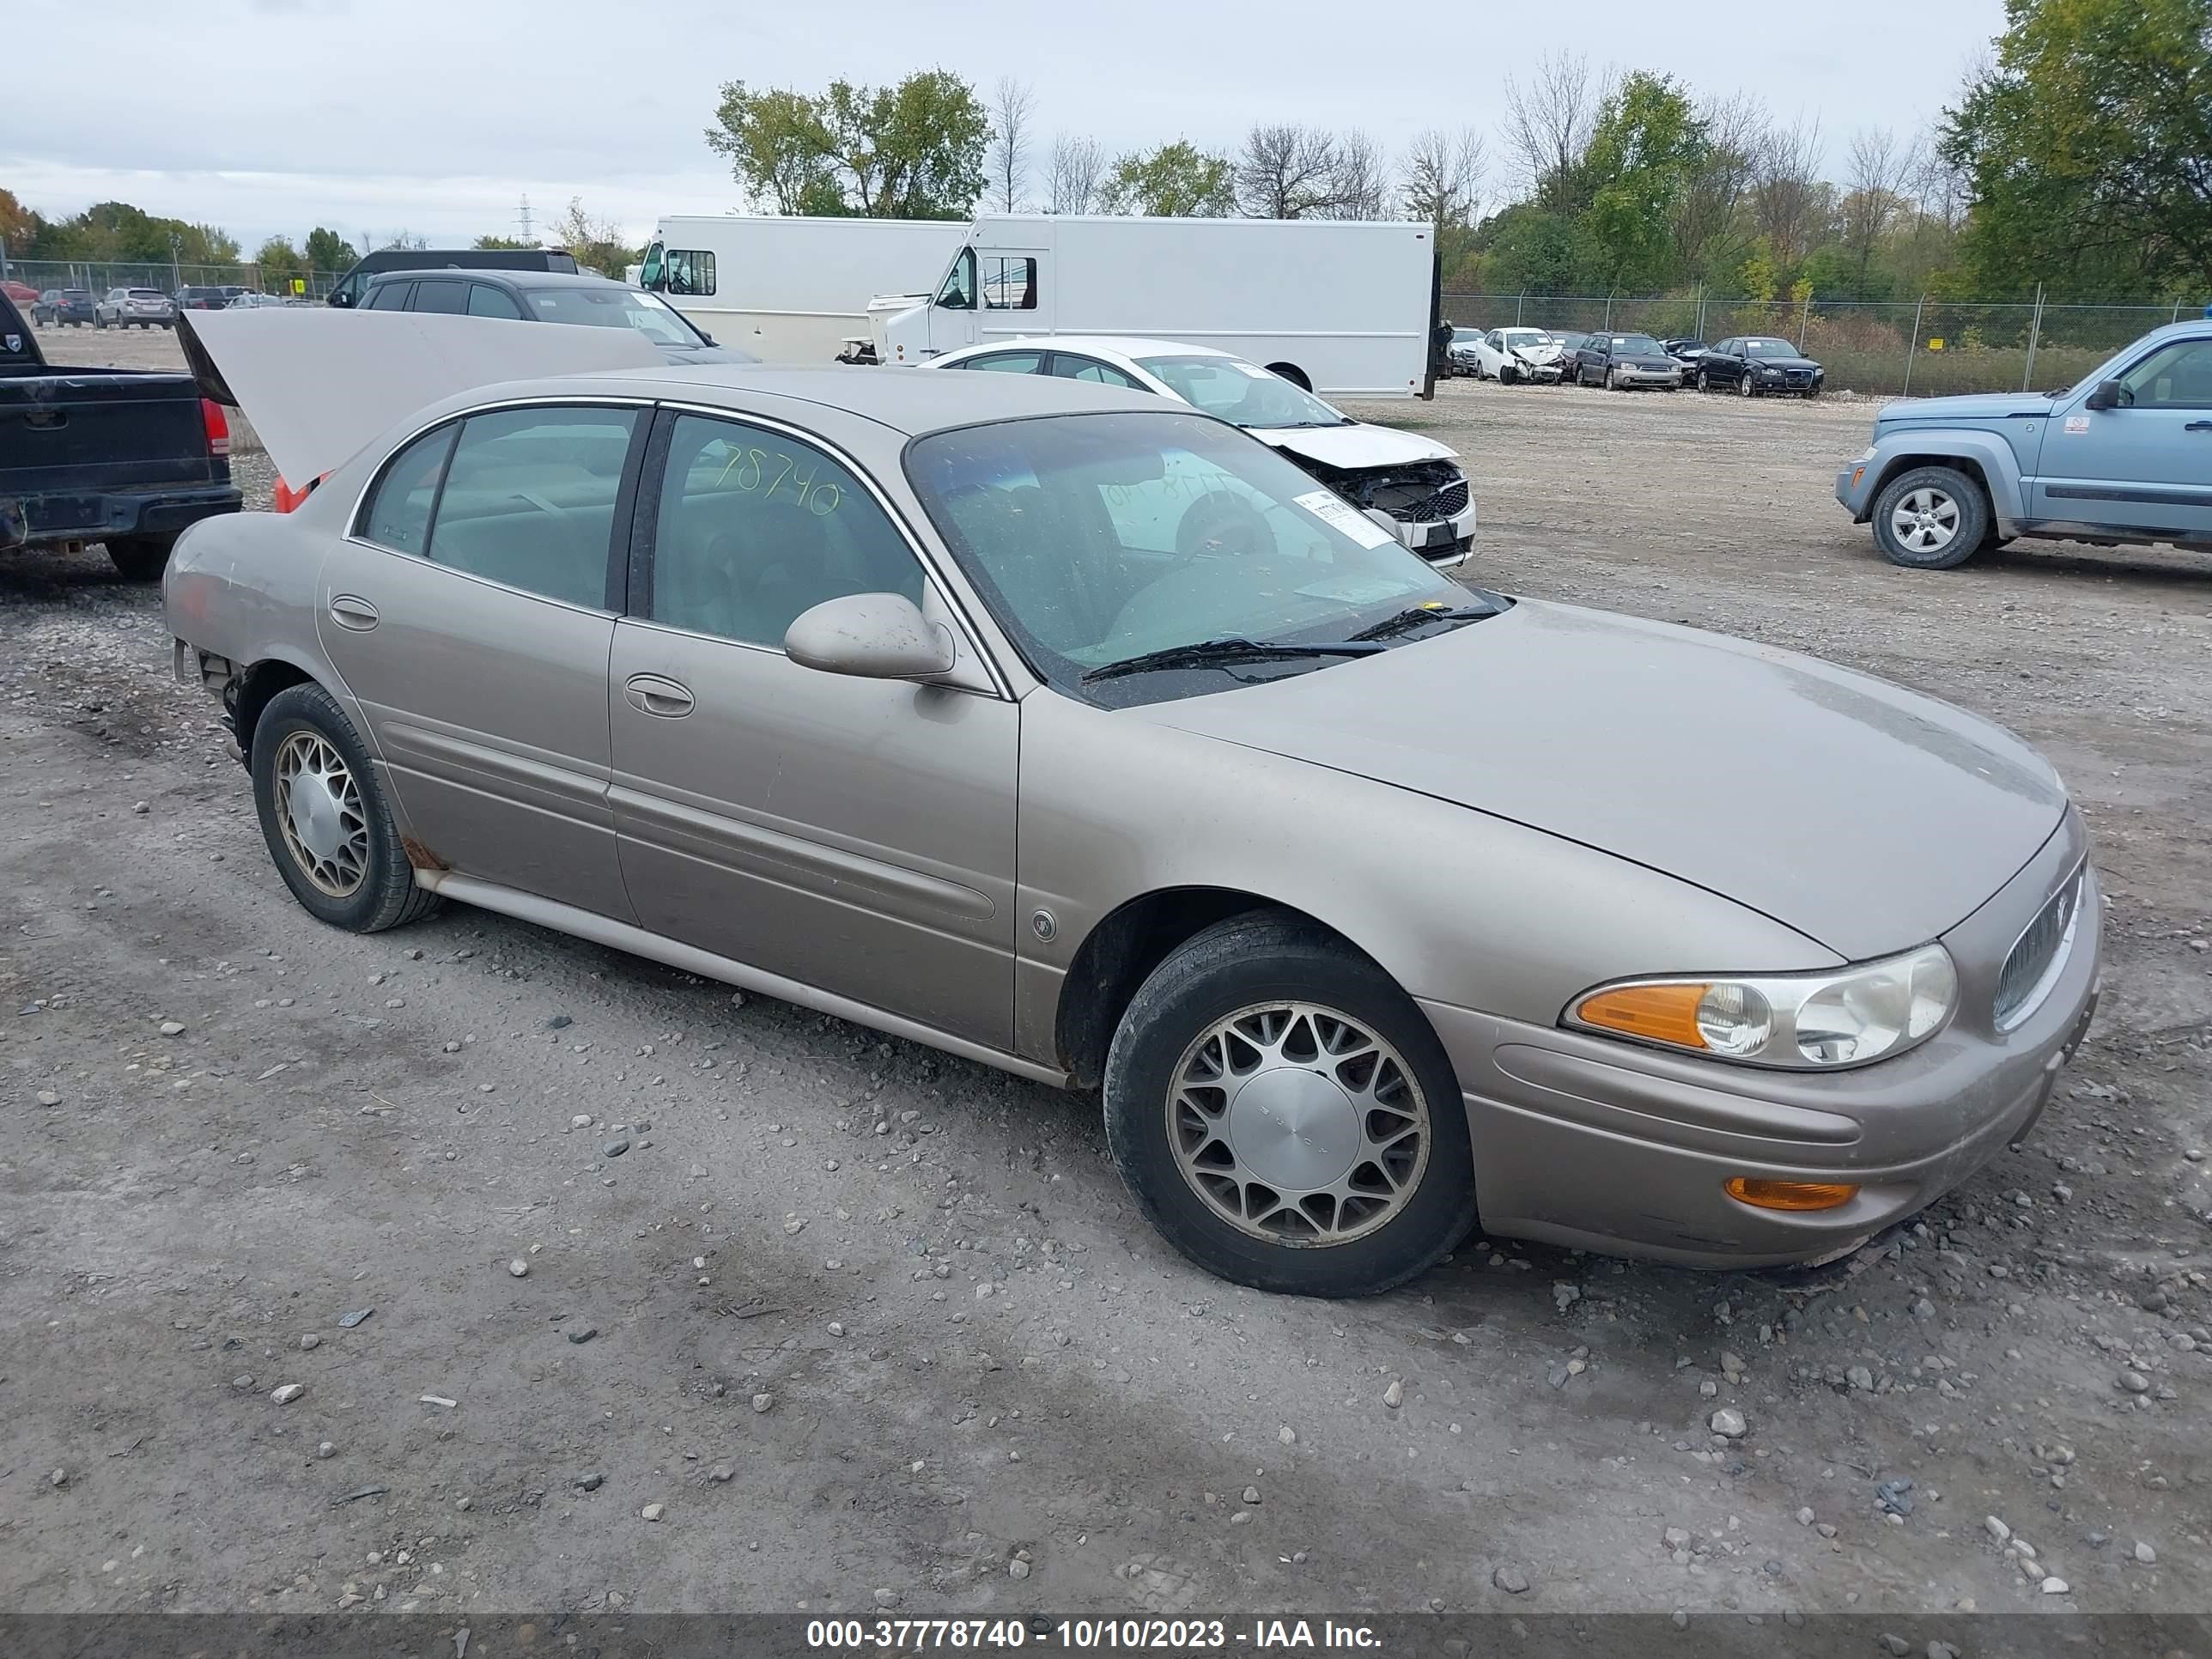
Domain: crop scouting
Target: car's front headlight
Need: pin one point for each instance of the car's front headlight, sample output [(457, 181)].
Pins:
[(1846, 1017)]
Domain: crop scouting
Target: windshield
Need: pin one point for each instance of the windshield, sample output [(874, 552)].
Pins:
[(1523, 336), (1770, 347), (1099, 538), (1241, 392), (1466, 336), (1636, 343), (613, 307)]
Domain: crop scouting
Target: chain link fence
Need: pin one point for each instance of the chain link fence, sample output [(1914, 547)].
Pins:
[(98, 276), (1926, 348)]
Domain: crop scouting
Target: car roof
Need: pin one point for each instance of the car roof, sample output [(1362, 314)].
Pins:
[(906, 400), (515, 279), (1130, 346)]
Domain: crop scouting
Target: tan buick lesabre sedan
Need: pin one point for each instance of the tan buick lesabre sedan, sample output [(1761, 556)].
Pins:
[(1090, 739)]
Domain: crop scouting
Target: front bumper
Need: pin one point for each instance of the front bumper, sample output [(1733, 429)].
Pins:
[(1855, 489), (1443, 541), (1665, 377), (1603, 1145)]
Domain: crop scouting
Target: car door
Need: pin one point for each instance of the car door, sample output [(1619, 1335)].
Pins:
[(1728, 363), (855, 835), (2146, 463), (468, 617)]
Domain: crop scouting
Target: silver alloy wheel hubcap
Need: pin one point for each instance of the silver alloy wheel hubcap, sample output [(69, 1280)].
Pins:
[(319, 807), (1925, 520), (1297, 1125)]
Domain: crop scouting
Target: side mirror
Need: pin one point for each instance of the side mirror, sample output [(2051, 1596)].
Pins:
[(2109, 394), (876, 636)]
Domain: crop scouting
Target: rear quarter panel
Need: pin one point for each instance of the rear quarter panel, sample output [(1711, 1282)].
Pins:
[(243, 586)]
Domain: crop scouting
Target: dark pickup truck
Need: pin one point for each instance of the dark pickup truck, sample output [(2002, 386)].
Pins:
[(112, 455)]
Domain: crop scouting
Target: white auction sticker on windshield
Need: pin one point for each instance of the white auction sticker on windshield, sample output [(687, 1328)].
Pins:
[(1253, 371), (1343, 518)]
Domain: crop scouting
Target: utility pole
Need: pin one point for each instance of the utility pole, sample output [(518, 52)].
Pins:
[(1912, 345), (2035, 329)]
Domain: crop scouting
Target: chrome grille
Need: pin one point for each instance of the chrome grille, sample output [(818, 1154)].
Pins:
[(2037, 954)]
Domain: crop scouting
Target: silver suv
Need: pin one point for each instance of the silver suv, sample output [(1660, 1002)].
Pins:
[(135, 308)]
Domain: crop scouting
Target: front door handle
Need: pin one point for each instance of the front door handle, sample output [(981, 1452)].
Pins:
[(347, 611), (650, 694), (2198, 426)]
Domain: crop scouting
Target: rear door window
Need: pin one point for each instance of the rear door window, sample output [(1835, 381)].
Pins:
[(485, 301), (449, 297), (529, 500), (397, 515), (1008, 362), (392, 296)]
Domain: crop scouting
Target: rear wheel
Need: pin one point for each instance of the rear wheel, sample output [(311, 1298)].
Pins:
[(1703, 385), (1284, 1116), (140, 558), (1933, 518), (325, 818)]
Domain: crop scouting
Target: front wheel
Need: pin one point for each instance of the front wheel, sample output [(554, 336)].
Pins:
[(325, 818), (1933, 518), (1610, 384), (1744, 387), (1284, 1116)]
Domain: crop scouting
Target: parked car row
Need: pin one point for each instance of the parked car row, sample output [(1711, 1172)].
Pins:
[(1753, 366)]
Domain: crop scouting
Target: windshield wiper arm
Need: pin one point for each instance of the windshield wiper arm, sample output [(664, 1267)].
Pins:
[(1207, 653), (1407, 620)]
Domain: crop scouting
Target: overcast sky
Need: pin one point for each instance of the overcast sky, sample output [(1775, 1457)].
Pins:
[(437, 116)]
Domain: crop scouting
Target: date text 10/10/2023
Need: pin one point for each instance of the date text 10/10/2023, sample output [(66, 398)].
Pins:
[(1086, 1635)]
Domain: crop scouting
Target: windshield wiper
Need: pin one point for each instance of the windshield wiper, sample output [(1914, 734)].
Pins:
[(1406, 621), (1208, 653)]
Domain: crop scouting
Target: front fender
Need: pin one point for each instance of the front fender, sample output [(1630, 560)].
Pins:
[(1985, 453), (1457, 906)]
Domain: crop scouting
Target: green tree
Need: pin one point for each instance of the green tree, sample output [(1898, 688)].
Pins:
[(1175, 181), (777, 144), (909, 151), (1648, 145), (326, 250), (513, 243), (19, 226), (1527, 249), (597, 243), (278, 261), (2086, 142)]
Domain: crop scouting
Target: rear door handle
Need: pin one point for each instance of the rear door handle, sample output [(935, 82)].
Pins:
[(347, 611), (2198, 426), (650, 694)]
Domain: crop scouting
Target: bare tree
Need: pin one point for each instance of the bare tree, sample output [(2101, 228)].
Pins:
[(1789, 203), (1359, 182), (1072, 174), (1872, 200), (1440, 178), (1013, 106), (1548, 124), (1286, 171)]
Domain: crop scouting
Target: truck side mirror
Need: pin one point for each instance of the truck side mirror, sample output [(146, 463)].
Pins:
[(2109, 394)]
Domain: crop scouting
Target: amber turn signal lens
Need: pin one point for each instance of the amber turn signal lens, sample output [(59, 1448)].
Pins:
[(1791, 1194), (1660, 1013)]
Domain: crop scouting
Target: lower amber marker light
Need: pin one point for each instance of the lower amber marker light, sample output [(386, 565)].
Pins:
[(1764, 1195)]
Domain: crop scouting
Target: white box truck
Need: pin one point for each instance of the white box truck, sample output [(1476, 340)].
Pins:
[(791, 290), (1344, 309)]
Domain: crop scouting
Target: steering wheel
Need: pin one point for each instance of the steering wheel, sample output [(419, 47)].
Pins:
[(1219, 525)]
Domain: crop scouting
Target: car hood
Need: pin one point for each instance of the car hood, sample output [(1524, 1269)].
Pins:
[(1989, 407), (1785, 362), (1355, 447), (1542, 351), (1867, 817)]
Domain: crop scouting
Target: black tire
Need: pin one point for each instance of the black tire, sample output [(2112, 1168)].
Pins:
[(386, 896), (1610, 383), (1943, 483), (140, 558), (1703, 383), (1254, 960), (1746, 386), (1811, 392)]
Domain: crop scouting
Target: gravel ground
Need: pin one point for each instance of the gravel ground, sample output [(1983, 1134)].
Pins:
[(846, 1324)]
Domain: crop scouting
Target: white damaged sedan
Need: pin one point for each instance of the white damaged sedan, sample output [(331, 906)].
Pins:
[(1411, 486)]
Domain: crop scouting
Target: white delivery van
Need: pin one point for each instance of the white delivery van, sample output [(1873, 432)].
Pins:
[(791, 290), (1344, 309)]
